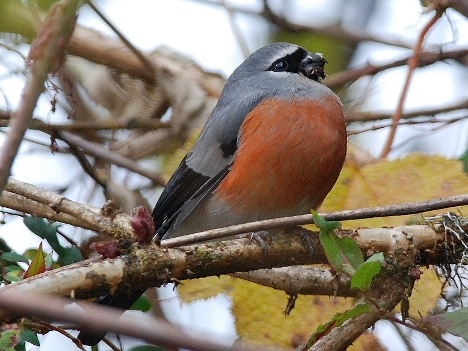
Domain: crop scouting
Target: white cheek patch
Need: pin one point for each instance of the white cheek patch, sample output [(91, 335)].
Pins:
[(276, 75)]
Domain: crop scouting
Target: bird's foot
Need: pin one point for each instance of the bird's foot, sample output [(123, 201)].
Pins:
[(304, 234), (263, 238)]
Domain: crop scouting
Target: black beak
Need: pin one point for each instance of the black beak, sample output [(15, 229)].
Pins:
[(312, 66)]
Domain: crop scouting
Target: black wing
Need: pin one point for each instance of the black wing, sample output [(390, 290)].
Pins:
[(180, 188), (186, 186)]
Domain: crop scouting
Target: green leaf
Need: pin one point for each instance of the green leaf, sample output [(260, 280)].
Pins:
[(49, 261), (14, 276), (37, 265), (12, 268), (378, 257), (8, 339), (47, 231), (365, 274), (455, 323), (30, 336), (30, 254), (20, 346), (44, 230), (146, 348), (323, 224), (337, 320), (69, 255), (342, 253), (14, 257), (142, 304), (4, 246), (464, 159)]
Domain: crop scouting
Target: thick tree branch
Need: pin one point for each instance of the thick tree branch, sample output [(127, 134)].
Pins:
[(23, 204), (61, 205), (159, 266), (304, 280)]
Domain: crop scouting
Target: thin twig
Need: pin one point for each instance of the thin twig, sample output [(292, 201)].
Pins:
[(112, 346), (444, 122), (84, 126), (51, 327), (73, 243), (426, 58), (91, 220), (84, 162), (350, 34), (436, 341), (412, 65), (378, 116), (381, 211), (236, 30), (421, 134), (97, 150), (144, 60), (405, 338)]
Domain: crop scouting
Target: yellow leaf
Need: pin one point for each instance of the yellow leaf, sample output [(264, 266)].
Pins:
[(204, 288), (37, 265), (414, 178), (259, 311)]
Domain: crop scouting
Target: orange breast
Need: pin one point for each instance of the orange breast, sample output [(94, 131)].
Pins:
[(289, 157)]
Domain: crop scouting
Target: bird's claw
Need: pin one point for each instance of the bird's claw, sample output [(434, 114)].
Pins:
[(263, 238)]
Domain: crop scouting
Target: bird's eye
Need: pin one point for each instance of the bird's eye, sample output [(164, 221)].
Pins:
[(280, 65)]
